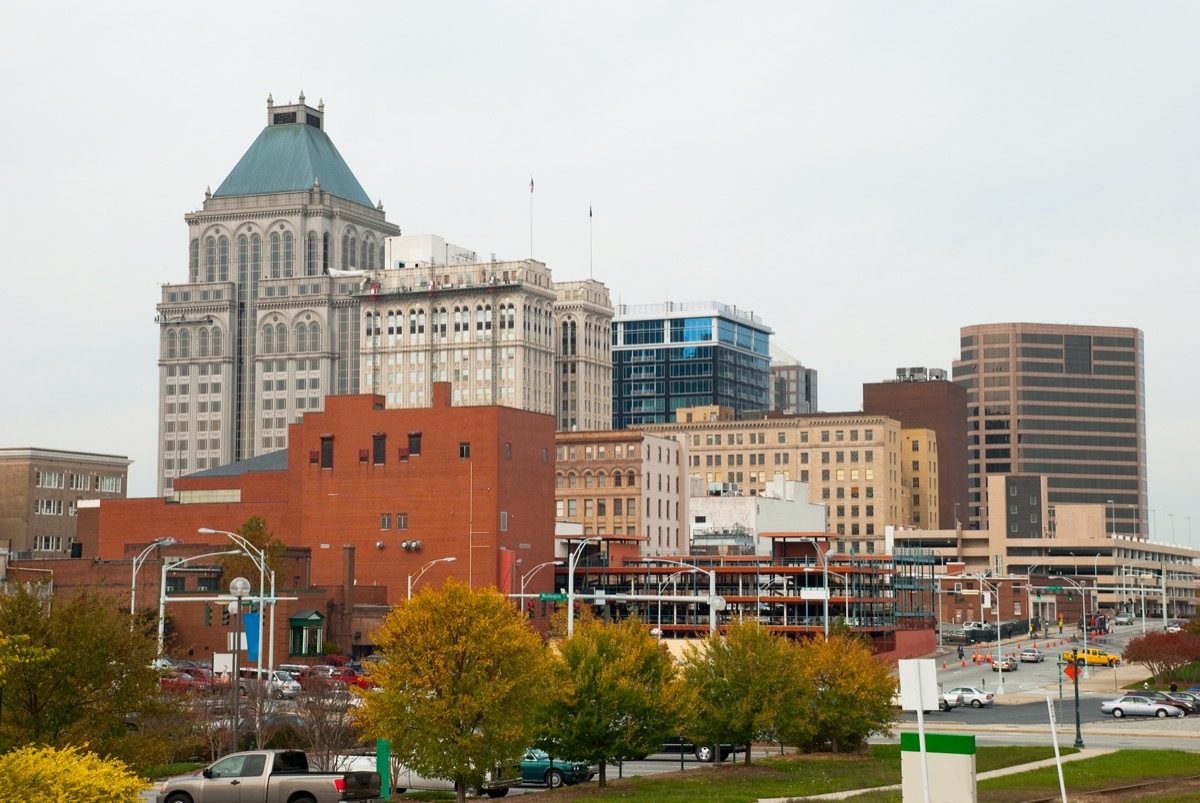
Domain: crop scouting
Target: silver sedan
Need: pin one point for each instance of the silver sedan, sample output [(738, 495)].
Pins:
[(1132, 705)]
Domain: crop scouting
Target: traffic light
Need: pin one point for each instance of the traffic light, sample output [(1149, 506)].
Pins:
[(225, 615), (207, 615), (529, 608), (575, 613)]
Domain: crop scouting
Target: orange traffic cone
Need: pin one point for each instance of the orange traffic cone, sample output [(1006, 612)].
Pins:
[(943, 664), (964, 663)]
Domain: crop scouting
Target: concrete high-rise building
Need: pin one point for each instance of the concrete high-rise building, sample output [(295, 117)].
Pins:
[(924, 398), (299, 289), (793, 387), (1065, 401), (673, 355)]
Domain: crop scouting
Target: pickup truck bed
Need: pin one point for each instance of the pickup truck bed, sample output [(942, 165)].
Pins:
[(269, 776)]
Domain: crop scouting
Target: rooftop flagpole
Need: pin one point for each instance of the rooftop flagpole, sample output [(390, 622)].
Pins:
[(589, 241), (531, 217)]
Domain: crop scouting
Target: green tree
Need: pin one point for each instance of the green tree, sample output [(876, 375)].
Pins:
[(255, 531), (843, 696), (77, 673), (615, 694), (51, 775), (461, 682), (742, 682)]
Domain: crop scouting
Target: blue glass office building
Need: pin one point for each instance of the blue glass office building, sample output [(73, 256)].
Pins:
[(673, 355)]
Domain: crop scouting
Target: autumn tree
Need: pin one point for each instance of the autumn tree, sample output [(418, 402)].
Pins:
[(1163, 653), (615, 693), (843, 695), (255, 531), (556, 627), (81, 670), (742, 680), (461, 683), (51, 775)]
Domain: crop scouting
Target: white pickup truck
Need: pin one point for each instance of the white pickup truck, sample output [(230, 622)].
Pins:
[(269, 776)]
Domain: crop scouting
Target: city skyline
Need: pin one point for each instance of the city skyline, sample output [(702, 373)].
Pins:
[(867, 182)]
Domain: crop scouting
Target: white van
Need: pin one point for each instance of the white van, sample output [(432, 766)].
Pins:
[(274, 682)]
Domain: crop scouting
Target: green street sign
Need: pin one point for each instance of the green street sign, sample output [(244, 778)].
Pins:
[(552, 597), (1054, 589)]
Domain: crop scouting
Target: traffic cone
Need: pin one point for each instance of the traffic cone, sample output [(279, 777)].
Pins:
[(964, 663), (943, 664)]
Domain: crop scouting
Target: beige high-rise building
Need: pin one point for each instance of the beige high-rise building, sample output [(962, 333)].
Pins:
[(299, 288), (853, 463)]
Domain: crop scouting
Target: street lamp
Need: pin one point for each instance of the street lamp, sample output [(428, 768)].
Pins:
[(571, 581), (162, 587), (824, 583), (412, 581), (137, 565), (238, 587), (259, 556), (525, 578), (712, 588), (1083, 598), (999, 656), (669, 579)]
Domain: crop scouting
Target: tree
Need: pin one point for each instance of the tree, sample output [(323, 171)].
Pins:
[(255, 531), (742, 681), (50, 775), (461, 682), (81, 671), (615, 694), (556, 627), (1163, 653), (845, 695)]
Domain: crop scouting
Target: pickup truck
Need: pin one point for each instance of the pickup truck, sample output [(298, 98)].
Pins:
[(269, 776), (1092, 657)]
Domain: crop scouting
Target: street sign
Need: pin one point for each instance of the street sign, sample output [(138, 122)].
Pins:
[(1054, 589), (552, 597), (1070, 671)]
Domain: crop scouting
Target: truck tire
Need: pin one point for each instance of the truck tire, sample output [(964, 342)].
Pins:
[(497, 792), (705, 752), (179, 797), (1080, 662)]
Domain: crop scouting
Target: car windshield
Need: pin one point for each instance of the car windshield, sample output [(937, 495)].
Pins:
[(536, 755)]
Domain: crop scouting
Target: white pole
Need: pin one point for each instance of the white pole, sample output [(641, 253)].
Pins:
[(1062, 787)]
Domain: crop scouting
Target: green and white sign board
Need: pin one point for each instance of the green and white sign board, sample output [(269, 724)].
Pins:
[(951, 760)]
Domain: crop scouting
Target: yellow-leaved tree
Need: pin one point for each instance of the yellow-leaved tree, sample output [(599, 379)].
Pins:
[(461, 684), (52, 775)]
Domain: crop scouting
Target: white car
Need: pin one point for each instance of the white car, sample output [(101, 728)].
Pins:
[(974, 696), (1136, 705), (1031, 656)]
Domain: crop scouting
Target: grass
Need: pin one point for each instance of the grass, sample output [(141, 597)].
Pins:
[(789, 776)]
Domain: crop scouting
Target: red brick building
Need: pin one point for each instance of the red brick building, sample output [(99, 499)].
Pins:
[(365, 498)]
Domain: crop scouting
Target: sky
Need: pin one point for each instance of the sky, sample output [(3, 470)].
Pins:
[(865, 177)]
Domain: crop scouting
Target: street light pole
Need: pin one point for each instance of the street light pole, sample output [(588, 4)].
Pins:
[(162, 588), (412, 581), (712, 588), (527, 576), (259, 556), (999, 656), (571, 560), (137, 565), (1083, 598), (239, 587), (824, 583)]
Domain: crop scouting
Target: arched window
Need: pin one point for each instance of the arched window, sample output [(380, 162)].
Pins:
[(363, 260), (288, 254), (314, 336), (268, 339), (243, 259), (324, 255), (353, 252), (301, 337), (185, 344), (202, 343), (172, 345), (571, 479), (382, 261), (558, 480), (311, 258), (276, 254), (210, 260), (631, 482), (601, 480), (223, 258), (281, 339), (255, 257), (217, 346), (194, 262), (369, 260), (346, 251), (587, 479)]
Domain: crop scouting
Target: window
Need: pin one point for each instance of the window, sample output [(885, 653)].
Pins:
[(401, 521), (464, 450), (414, 443), (508, 451), (503, 521), (209, 584), (175, 585), (379, 448), (385, 521), (326, 451)]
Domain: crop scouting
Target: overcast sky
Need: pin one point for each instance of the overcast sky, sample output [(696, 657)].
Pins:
[(866, 177)]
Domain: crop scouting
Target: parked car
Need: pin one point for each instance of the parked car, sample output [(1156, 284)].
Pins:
[(271, 776), (946, 701), (537, 767), (274, 683), (1031, 656), (494, 784), (177, 680), (1162, 697), (1136, 705), (702, 752), (974, 696), (1189, 696)]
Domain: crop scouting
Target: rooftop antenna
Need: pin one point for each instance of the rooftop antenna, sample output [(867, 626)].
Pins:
[(531, 217), (589, 241)]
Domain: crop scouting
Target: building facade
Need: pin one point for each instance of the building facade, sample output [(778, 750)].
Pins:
[(923, 398), (629, 485), (1067, 402), (298, 288), (40, 493), (793, 387), (675, 355)]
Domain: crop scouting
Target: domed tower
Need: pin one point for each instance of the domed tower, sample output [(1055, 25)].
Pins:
[(266, 323)]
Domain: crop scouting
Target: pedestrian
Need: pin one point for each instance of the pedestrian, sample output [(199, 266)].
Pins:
[(1174, 688), (960, 652), (1145, 684)]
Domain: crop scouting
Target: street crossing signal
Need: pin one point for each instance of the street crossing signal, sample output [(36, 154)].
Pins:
[(207, 615), (224, 616)]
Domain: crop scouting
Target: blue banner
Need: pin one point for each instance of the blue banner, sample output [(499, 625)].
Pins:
[(250, 627)]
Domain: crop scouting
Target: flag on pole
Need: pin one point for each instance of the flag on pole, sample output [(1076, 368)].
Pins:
[(589, 210), (531, 183)]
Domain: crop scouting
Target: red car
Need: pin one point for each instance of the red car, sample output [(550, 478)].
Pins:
[(184, 682), (339, 677)]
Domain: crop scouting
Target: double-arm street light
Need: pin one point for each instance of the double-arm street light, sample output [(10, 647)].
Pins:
[(1083, 594), (712, 587), (137, 565), (413, 580), (999, 657), (824, 583), (238, 587), (259, 556), (571, 561), (162, 587), (527, 576)]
